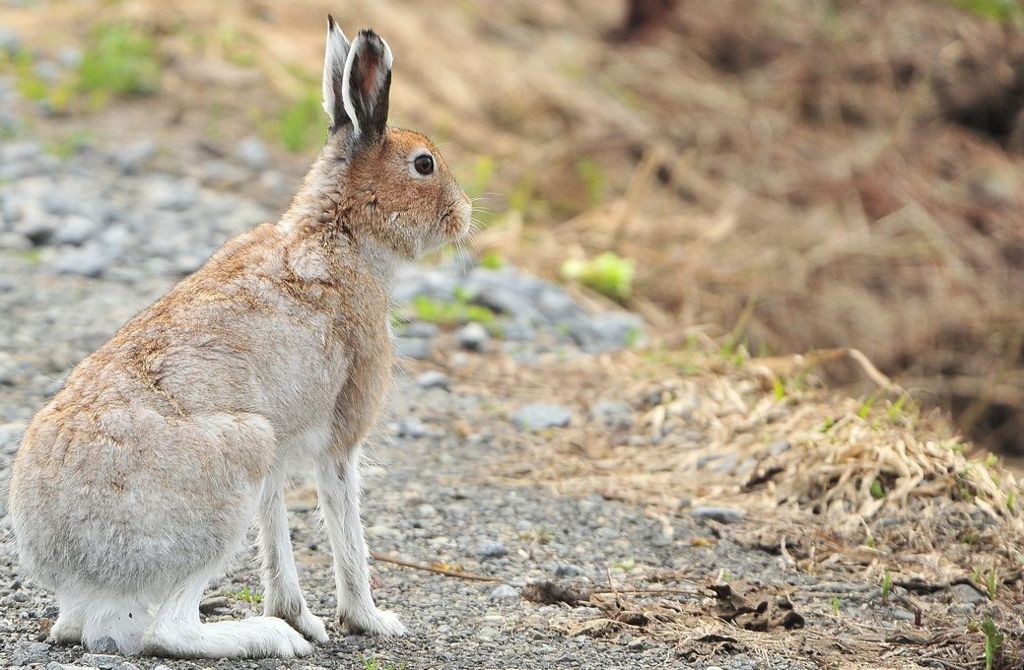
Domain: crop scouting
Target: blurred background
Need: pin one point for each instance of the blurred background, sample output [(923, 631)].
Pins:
[(785, 175)]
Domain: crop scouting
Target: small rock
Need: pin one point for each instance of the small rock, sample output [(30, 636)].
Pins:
[(89, 260), (967, 594), (487, 633), (421, 329), (133, 157), (69, 57), (101, 660), (209, 605), (504, 592), (37, 227), (719, 514), (612, 414), (30, 654), (567, 570), (252, 152), (539, 416), (473, 337), (10, 437), (412, 427), (74, 230), (417, 348), (492, 550), (10, 41), (901, 614), (15, 242), (433, 379)]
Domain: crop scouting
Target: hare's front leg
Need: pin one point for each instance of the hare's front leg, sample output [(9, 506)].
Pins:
[(337, 474), (281, 581)]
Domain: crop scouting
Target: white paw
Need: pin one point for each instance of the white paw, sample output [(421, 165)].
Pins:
[(287, 641), (374, 622), (310, 626)]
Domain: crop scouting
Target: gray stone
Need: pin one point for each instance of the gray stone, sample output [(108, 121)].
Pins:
[(420, 329), (30, 654), (10, 41), (433, 379), (719, 514), (10, 437), (417, 348), (966, 593), (607, 332), (172, 194), (412, 427), (15, 241), (48, 71), (69, 57), (104, 661), (505, 592), (492, 550), (74, 230), (8, 369), (473, 337), (213, 603), (54, 665), (611, 414), (252, 152), (37, 227), (539, 416), (132, 158), (567, 570), (89, 260)]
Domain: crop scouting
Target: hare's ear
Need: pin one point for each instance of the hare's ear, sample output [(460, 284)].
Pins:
[(366, 86), (334, 74)]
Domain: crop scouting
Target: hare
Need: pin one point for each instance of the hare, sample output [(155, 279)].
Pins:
[(139, 480)]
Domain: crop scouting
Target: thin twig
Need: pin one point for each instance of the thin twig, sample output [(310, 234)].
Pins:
[(384, 558), (681, 592)]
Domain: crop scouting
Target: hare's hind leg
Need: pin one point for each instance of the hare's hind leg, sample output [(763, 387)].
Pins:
[(113, 622), (72, 607), (177, 631), (281, 581)]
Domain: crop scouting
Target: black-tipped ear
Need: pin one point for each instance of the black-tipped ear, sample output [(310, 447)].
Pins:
[(366, 86), (334, 74)]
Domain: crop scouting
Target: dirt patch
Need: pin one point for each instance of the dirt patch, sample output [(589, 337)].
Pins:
[(891, 542)]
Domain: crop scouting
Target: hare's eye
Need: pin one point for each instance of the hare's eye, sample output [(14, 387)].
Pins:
[(424, 164)]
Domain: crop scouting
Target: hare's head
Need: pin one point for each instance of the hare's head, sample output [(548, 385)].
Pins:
[(395, 188)]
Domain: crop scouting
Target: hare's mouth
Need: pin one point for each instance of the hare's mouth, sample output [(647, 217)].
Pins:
[(455, 222)]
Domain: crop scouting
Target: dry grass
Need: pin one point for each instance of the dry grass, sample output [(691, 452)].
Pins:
[(841, 490)]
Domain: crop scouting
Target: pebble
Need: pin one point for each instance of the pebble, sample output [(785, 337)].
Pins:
[(473, 337), (719, 514), (252, 152), (611, 414), (422, 329), (433, 379), (10, 41), (568, 570), (132, 158), (209, 605), (89, 260), (492, 550), (103, 661), (416, 348), (539, 416), (504, 592), (74, 230), (966, 594), (411, 427)]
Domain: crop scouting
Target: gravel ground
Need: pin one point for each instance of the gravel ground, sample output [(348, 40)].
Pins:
[(86, 242)]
